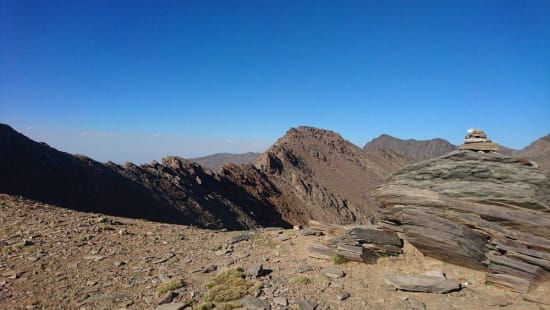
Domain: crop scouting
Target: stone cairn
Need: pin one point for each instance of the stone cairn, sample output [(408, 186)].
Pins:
[(476, 140), (360, 243)]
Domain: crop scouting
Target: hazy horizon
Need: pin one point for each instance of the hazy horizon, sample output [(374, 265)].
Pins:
[(137, 80)]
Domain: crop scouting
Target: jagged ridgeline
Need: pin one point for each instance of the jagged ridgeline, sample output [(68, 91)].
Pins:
[(173, 191), (308, 174)]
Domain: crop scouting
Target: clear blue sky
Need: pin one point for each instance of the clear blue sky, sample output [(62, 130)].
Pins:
[(137, 80)]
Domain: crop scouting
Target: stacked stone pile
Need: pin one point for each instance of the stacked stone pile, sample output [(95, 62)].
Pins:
[(476, 140)]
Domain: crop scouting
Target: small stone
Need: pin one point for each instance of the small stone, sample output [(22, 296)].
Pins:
[(343, 296), (334, 273), (167, 298), (239, 238), (223, 252), (251, 303), (304, 268), (297, 227), (307, 305), (91, 283), (172, 306), (255, 271), (281, 301), (282, 238), (243, 255), (166, 258), (118, 264), (33, 258), (310, 232), (210, 269)]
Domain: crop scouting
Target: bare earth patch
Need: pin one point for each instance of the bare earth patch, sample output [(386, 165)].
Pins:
[(53, 258)]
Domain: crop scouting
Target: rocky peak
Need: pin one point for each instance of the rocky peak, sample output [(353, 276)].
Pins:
[(324, 175)]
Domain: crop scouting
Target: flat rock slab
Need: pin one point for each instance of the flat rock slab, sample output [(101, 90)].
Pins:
[(172, 306), (251, 303), (426, 284), (306, 305), (334, 273)]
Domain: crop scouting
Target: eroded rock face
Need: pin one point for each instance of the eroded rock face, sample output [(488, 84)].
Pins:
[(484, 211), (324, 177)]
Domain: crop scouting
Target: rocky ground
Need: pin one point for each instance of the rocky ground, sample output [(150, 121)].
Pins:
[(54, 258)]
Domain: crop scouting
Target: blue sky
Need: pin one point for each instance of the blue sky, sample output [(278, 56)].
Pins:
[(138, 80)]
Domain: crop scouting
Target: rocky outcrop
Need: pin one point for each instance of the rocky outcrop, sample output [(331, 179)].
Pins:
[(481, 210), (225, 200), (360, 243)]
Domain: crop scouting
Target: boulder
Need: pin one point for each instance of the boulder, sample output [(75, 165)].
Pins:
[(485, 211)]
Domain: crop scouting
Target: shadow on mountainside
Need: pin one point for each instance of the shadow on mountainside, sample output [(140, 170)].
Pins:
[(42, 173)]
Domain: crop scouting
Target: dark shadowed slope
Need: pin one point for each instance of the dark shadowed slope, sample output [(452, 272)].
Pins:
[(415, 150), (175, 190), (215, 161), (39, 172)]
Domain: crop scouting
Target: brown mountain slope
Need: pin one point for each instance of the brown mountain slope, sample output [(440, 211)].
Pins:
[(538, 151), (174, 191), (416, 150), (215, 161), (325, 177)]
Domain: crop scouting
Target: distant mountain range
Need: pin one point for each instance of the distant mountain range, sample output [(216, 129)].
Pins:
[(215, 161), (414, 150), (309, 173)]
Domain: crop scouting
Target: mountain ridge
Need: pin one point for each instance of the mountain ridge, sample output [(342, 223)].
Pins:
[(309, 173), (215, 161), (416, 150)]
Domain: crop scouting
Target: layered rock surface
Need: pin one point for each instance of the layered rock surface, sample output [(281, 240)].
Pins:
[(481, 210)]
